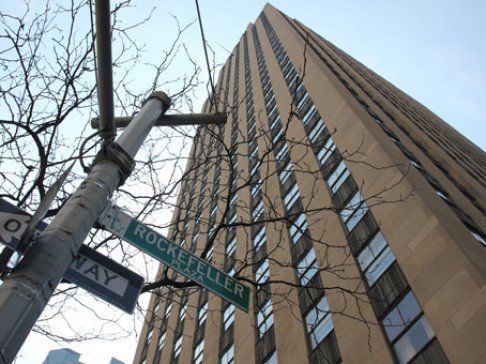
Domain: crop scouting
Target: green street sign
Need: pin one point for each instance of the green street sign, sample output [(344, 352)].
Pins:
[(176, 257)]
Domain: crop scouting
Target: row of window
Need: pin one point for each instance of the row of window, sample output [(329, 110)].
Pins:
[(413, 333), (316, 315), (263, 301), (227, 345), (375, 258)]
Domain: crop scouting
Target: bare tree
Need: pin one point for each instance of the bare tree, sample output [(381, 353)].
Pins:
[(226, 190), (48, 97)]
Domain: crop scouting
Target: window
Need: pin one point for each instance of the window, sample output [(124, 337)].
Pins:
[(183, 312), (441, 193), (260, 239), (415, 163), (258, 211), (272, 359), (272, 109), (289, 71), (211, 231), (354, 211), (413, 340), (168, 310), (262, 273), (251, 120), (407, 334), (275, 122), (228, 316), (267, 87), (203, 313), (278, 136), (478, 236), (233, 200), (291, 197), (375, 258), (251, 129), (319, 322), (270, 101), (214, 210), (292, 83), (309, 114), (233, 218), (231, 247), (317, 130), (298, 228), (209, 255), (150, 332), (282, 153), (302, 101), (326, 151), (307, 267), (286, 173), (254, 153), (156, 305), (265, 318), (337, 178), (228, 356), (162, 340), (178, 346), (255, 168), (256, 189), (198, 352), (301, 86)]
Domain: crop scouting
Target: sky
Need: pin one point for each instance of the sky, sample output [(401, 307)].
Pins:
[(434, 50)]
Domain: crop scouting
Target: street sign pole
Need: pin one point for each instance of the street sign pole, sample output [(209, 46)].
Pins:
[(25, 293), (90, 270)]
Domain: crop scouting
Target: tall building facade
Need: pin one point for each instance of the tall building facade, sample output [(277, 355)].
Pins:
[(354, 213)]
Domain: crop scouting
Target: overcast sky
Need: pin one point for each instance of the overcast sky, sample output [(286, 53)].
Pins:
[(434, 50)]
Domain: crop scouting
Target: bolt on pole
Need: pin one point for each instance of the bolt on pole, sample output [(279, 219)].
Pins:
[(25, 293)]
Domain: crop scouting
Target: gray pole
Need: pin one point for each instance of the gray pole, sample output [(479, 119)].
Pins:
[(105, 74), (25, 293)]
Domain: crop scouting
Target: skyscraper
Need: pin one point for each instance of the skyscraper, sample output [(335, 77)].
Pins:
[(354, 213), (62, 356)]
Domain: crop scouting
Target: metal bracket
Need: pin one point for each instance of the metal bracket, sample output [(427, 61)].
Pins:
[(113, 152), (162, 97)]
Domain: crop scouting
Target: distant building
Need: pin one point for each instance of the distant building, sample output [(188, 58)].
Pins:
[(355, 214), (116, 361), (62, 356)]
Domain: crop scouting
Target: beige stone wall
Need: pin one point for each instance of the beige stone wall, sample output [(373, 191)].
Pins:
[(444, 265)]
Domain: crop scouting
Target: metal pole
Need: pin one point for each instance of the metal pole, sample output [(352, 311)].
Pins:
[(105, 72), (171, 120), (25, 293)]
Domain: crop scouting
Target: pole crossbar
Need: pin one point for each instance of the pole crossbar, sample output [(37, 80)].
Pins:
[(171, 120)]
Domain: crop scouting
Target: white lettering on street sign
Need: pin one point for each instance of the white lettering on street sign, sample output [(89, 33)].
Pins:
[(176, 257), (100, 275), (11, 227)]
